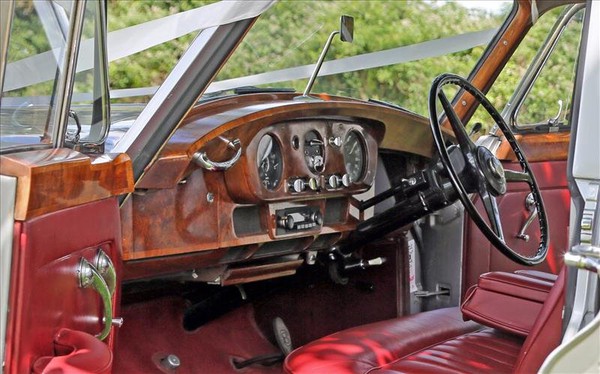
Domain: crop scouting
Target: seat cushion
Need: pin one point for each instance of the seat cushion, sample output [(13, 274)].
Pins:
[(483, 351), (416, 343)]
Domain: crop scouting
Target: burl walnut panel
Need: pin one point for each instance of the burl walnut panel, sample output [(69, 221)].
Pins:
[(243, 117), (53, 179), (179, 208)]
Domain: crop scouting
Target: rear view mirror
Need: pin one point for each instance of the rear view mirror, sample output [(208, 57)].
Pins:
[(347, 29)]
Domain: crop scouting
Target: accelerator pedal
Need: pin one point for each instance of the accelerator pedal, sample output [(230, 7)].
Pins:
[(282, 336), (284, 342)]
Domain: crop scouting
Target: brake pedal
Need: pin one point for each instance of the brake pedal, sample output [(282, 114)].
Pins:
[(282, 336)]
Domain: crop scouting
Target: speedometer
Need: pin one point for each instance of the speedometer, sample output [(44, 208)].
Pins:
[(354, 156), (269, 162)]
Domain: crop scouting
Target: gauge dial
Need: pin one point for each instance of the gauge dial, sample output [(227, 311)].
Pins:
[(354, 156), (314, 151), (269, 162)]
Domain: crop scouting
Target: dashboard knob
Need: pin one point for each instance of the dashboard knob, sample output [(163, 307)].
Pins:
[(335, 141), (286, 222), (298, 185), (317, 218), (346, 180), (313, 184)]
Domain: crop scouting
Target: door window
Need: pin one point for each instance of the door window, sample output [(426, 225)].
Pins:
[(549, 99)]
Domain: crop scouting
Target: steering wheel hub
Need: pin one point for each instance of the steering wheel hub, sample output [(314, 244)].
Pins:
[(493, 171)]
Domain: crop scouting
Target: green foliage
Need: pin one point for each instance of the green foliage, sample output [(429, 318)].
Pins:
[(292, 33), (149, 67)]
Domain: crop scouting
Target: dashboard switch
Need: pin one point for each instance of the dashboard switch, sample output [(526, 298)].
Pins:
[(346, 180), (333, 181), (298, 185), (313, 183)]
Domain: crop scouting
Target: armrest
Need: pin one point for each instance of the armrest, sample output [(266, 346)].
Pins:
[(506, 301), (77, 353)]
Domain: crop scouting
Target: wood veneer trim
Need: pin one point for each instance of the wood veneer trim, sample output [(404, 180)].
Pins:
[(54, 179)]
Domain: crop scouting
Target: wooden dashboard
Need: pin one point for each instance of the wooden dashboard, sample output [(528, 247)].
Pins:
[(298, 166)]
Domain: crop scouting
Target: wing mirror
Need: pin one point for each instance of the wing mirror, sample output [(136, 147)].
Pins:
[(347, 29)]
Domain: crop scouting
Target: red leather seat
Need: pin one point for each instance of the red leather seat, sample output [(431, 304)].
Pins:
[(439, 341)]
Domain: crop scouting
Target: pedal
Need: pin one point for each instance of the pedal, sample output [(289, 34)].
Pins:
[(282, 336)]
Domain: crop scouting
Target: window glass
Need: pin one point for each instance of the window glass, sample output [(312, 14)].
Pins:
[(35, 53), (302, 27), (534, 103)]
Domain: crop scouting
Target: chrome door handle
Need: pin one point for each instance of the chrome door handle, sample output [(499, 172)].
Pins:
[(89, 277), (530, 205), (105, 267)]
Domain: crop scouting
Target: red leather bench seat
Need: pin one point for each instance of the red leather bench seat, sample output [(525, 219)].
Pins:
[(440, 341), (433, 341)]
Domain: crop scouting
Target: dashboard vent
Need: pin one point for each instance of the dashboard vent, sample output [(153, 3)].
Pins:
[(246, 220), (325, 241), (281, 247), (335, 210)]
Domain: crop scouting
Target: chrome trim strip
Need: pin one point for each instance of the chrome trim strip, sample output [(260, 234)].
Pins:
[(67, 76), (6, 16), (8, 192)]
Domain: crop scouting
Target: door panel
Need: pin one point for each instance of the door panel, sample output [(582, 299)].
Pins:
[(66, 210), (481, 257), (45, 278)]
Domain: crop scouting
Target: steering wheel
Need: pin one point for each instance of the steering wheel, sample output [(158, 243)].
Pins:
[(483, 172)]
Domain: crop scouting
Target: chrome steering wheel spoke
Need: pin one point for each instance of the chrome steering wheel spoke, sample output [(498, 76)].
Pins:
[(491, 209), (517, 176)]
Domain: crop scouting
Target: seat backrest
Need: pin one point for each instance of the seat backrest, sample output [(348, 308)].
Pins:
[(546, 332)]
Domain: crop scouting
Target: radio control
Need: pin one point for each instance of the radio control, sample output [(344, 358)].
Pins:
[(287, 222), (298, 218), (317, 218)]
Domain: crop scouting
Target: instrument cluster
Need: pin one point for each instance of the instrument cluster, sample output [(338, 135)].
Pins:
[(306, 158)]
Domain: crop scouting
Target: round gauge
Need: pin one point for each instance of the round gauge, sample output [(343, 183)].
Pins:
[(269, 162), (354, 156), (314, 151)]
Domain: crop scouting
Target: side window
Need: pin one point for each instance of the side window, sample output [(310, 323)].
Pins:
[(35, 49), (547, 101)]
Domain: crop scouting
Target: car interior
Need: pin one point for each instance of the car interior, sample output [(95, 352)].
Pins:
[(275, 231)]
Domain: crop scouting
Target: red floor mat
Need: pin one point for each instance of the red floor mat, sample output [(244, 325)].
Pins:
[(154, 329)]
